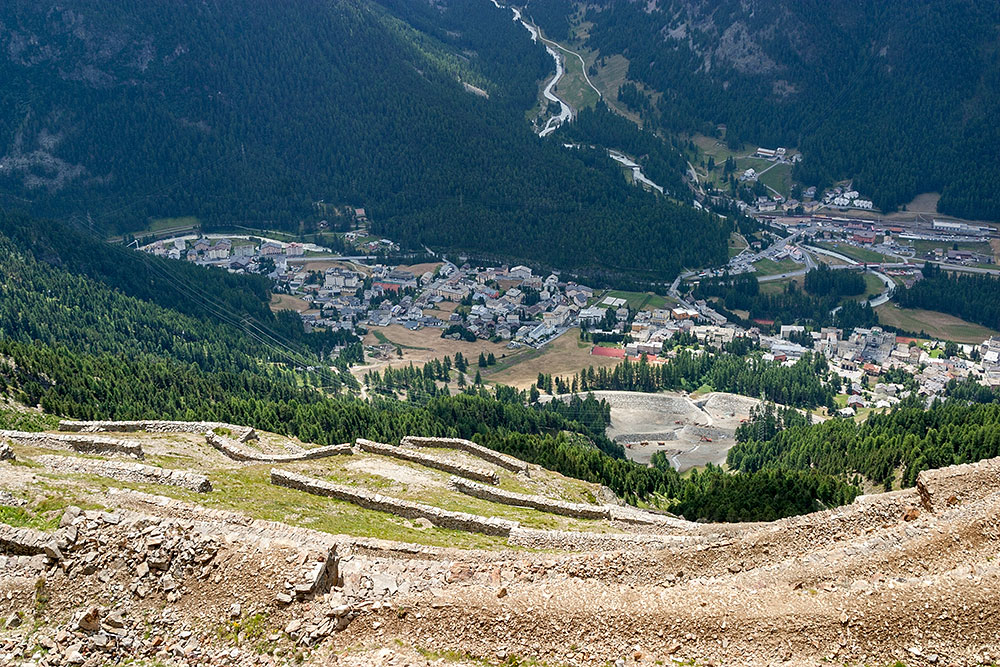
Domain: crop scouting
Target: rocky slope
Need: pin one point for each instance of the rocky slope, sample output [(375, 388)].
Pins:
[(909, 576)]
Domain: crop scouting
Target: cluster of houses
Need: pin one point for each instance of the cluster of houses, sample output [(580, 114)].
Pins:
[(507, 303), (368, 245), (239, 254), (958, 256), (862, 356), (843, 198), (498, 303)]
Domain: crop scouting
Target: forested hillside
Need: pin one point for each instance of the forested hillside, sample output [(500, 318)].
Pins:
[(888, 449), (80, 339), (854, 85), (251, 112), (824, 291)]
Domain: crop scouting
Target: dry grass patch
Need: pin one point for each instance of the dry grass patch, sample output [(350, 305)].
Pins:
[(564, 356), (420, 269), (937, 325), (288, 302)]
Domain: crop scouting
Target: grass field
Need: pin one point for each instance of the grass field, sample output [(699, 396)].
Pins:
[(778, 177), (288, 302), (635, 300), (935, 324), (737, 244), (426, 344), (157, 225), (768, 267), (573, 87), (854, 252), (778, 286), (564, 356), (873, 285), (324, 264), (921, 248), (610, 78)]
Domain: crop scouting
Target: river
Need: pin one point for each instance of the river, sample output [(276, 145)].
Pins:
[(565, 112), (636, 169)]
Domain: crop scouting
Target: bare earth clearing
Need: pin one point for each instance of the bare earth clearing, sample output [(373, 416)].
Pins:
[(691, 432)]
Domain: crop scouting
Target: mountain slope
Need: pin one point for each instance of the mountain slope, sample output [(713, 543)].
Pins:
[(897, 95), (250, 112)]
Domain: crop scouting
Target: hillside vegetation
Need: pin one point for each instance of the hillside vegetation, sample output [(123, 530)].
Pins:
[(853, 85), (252, 112), (93, 331)]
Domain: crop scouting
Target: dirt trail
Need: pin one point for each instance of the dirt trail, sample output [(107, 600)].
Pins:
[(863, 587)]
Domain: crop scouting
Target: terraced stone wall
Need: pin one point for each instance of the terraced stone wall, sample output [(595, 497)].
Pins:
[(128, 472), (238, 452), (485, 453), (576, 510), (404, 508), (84, 444), (241, 433), (479, 474)]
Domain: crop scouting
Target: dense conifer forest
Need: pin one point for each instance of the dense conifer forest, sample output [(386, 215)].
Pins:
[(262, 113), (807, 383), (886, 449), (852, 85)]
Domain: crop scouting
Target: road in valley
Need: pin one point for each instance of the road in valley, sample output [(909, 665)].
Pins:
[(565, 111)]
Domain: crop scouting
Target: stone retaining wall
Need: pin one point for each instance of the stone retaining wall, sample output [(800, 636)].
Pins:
[(128, 472), (485, 453), (577, 510), (223, 522), (574, 541), (238, 452), (629, 514), (84, 444), (945, 487), (242, 433), (22, 541), (488, 476), (404, 508)]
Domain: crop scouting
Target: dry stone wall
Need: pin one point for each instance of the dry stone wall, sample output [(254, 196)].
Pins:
[(485, 453), (241, 433), (577, 510), (576, 541), (223, 522), (128, 472), (22, 541), (480, 474), (84, 444), (404, 508), (238, 452)]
